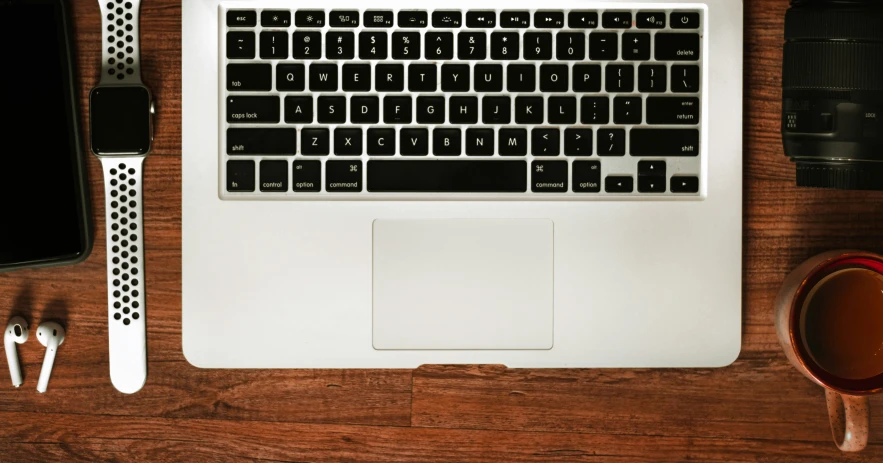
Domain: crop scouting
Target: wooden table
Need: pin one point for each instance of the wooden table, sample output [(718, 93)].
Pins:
[(758, 409)]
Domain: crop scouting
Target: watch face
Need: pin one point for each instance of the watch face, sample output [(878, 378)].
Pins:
[(120, 120)]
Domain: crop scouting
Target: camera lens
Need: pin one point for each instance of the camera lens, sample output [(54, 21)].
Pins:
[(832, 89)]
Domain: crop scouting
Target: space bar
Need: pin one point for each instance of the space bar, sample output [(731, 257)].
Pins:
[(439, 176)]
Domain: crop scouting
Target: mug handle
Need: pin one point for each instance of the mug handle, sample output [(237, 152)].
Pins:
[(849, 416)]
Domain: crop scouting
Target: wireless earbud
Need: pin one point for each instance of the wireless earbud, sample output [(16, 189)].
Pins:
[(51, 335), (16, 333)]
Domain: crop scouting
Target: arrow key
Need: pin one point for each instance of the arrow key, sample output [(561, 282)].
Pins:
[(651, 184), (619, 184), (651, 168), (682, 184)]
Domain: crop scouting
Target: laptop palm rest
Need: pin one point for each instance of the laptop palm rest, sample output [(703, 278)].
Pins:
[(463, 284)]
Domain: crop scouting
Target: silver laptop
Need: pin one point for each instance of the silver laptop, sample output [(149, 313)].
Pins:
[(395, 184)]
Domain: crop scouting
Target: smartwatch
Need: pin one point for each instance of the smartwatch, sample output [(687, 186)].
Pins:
[(121, 113)]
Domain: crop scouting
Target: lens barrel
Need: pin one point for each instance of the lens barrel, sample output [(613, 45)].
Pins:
[(832, 89)]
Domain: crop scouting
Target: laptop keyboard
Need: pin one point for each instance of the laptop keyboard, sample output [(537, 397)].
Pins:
[(461, 104)]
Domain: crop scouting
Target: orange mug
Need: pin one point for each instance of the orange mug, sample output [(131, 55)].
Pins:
[(847, 397)]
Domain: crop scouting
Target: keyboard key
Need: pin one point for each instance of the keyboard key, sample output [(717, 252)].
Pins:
[(447, 176), (505, 45), (587, 78), (515, 19), (513, 142), (274, 176), (414, 142), (545, 142), (578, 142), (619, 184), (306, 45), (603, 46), (521, 78), (496, 110), (261, 141), (331, 109), (652, 78), (356, 77), (650, 20), (340, 45), (672, 110), (562, 110), (471, 45), (446, 142), (314, 141), (275, 18), (242, 18), (636, 46), (446, 18), (290, 77), (586, 176), (240, 176), (348, 141), (677, 47), (548, 177), (343, 176), (651, 168), (570, 46), (683, 184), (240, 45), (365, 110), (249, 77), (611, 142), (377, 18), (323, 77), (620, 78), (390, 77), (684, 20), (455, 77), (528, 110), (422, 77), (664, 142), (413, 19), (651, 184), (479, 142), (274, 45), (344, 18), (548, 19), (616, 20), (582, 20), (488, 77), (479, 19), (373, 45), (464, 110), (538, 45), (594, 110), (299, 109), (309, 18), (306, 176), (397, 109), (406, 45), (628, 110), (554, 78), (381, 142), (439, 45), (430, 109), (685, 79), (252, 109)]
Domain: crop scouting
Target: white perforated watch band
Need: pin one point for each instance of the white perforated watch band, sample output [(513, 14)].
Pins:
[(120, 55), (125, 272)]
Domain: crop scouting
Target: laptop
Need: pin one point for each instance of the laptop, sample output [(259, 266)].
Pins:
[(395, 184)]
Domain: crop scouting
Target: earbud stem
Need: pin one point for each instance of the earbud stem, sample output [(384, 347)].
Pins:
[(48, 361), (12, 360)]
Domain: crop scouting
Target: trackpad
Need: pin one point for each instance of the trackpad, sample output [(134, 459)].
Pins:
[(463, 284)]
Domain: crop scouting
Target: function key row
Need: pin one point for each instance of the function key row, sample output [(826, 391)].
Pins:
[(448, 177), (474, 19)]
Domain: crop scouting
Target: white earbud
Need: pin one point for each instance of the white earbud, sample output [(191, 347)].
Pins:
[(51, 335), (16, 333)]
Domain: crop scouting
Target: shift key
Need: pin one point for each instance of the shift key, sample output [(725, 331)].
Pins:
[(252, 109), (664, 142)]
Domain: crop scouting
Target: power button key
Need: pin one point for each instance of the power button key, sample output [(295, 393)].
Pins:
[(684, 20)]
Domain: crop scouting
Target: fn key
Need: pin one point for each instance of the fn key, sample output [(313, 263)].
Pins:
[(240, 176)]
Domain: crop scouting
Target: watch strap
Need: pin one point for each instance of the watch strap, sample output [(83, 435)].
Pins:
[(120, 50), (127, 331)]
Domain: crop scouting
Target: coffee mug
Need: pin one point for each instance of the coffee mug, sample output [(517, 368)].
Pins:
[(829, 318)]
